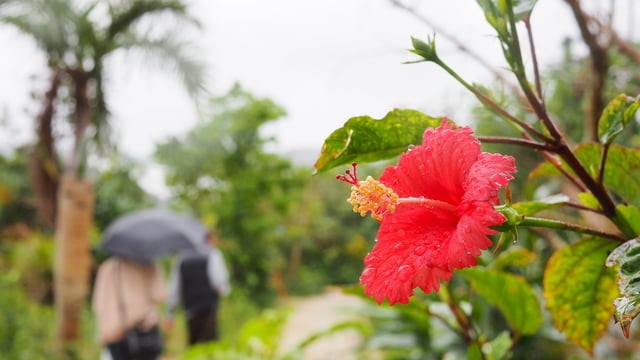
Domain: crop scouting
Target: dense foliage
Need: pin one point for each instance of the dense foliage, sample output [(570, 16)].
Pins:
[(276, 223), (562, 269), (569, 231)]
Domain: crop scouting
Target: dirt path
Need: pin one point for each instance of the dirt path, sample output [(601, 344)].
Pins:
[(317, 313)]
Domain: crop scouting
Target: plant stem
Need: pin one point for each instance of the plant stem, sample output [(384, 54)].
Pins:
[(516, 141), (531, 221), (458, 314), (534, 58), (458, 43), (579, 206), (446, 323), (603, 162), (559, 139), (485, 100), (544, 149)]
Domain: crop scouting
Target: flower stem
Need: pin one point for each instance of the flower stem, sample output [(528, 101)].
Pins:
[(467, 331), (559, 139), (531, 221), (491, 104)]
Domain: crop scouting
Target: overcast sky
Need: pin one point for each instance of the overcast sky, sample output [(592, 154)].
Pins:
[(323, 61)]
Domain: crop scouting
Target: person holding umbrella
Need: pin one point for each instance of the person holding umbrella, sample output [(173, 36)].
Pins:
[(130, 285), (125, 302), (197, 283)]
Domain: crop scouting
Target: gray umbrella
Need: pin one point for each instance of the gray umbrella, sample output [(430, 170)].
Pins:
[(146, 235)]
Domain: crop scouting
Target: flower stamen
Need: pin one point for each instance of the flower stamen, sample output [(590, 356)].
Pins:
[(372, 196), (369, 195)]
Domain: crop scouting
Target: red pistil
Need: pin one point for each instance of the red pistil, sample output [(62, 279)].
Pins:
[(350, 177)]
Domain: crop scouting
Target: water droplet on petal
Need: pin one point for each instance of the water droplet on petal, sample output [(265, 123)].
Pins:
[(497, 180), (405, 272), (367, 274), (410, 147), (419, 250), (370, 271), (400, 246)]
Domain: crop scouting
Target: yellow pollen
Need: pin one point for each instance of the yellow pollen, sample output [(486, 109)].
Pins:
[(372, 196)]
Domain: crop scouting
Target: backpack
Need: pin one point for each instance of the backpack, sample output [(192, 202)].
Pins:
[(196, 291)]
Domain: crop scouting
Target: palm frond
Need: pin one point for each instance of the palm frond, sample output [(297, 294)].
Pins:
[(129, 12), (45, 21), (169, 52)]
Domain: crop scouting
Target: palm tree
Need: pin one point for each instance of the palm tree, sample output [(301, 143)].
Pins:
[(77, 39)]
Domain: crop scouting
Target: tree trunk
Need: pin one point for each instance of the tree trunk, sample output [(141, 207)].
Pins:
[(43, 162), (82, 116), (72, 259)]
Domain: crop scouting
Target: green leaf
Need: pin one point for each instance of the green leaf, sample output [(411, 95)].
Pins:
[(496, 12), (510, 294), (474, 352), (427, 50), (589, 200), (615, 116), (515, 256), (532, 207), (498, 348), (631, 215), (627, 307), (365, 139), (494, 17), (522, 9), (580, 290), (622, 171)]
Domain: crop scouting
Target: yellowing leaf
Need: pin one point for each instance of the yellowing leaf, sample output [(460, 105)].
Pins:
[(364, 139), (515, 256), (627, 307), (616, 116), (580, 290)]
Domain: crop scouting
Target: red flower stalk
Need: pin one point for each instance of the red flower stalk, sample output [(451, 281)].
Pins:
[(435, 209)]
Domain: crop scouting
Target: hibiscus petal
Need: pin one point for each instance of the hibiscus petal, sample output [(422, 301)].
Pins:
[(450, 189), (411, 252), (470, 238), (487, 175), (436, 169)]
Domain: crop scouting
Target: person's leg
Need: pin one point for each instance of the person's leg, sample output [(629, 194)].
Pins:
[(203, 327), (211, 331)]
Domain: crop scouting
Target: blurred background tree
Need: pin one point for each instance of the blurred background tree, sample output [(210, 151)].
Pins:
[(283, 230), (274, 221), (77, 47)]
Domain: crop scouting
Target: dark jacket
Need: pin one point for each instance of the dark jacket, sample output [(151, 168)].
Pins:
[(196, 291)]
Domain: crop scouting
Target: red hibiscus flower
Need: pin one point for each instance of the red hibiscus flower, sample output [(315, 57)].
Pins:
[(435, 209)]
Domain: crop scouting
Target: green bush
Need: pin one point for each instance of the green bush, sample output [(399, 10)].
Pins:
[(27, 316), (258, 339), (26, 329)]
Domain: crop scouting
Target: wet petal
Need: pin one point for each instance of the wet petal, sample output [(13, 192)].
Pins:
[(419, 244)]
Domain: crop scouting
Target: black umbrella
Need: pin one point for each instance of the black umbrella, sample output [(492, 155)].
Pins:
[(146, 235)]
